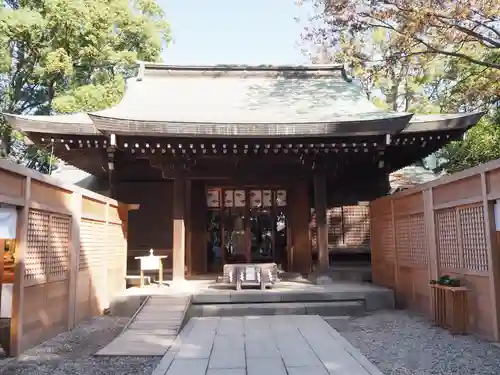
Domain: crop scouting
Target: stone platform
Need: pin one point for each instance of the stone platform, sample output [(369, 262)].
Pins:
[(287, 297), (273, 345), (339, 298)]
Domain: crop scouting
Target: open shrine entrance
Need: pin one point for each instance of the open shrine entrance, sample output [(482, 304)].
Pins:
[(246, 225)]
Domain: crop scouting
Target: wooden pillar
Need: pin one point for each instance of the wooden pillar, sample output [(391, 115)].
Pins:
[(188, 228), (299, 254), (179, 243), (16, 323), (2, 247), (321, 223), (76, 218), (493, 258)]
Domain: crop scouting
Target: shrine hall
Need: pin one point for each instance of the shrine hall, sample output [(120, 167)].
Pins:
[(243, 164)]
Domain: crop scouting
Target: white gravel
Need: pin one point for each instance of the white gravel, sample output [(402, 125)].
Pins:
[(402, 343), (72, 352)]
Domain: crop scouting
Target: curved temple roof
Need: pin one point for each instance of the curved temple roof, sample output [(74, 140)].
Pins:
[(248, 101)]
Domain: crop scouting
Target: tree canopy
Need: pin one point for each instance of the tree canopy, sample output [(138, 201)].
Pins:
[(424, 56), (65, 56)]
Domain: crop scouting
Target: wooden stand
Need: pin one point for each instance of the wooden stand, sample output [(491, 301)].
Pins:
[(152, 262), (450, 307)]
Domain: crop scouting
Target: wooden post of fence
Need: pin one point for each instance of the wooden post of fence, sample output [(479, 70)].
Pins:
[(493, 258), (16, 325), (395, 248), (430, 234), (76, 217), (108, 246)]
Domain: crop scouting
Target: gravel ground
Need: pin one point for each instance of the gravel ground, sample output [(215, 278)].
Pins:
[(402, 343), (72, 353)]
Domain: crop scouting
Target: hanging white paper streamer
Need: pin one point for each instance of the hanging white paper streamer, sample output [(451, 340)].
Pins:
[(8, 222)]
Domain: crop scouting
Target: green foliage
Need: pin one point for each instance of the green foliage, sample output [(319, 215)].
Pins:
[(64, 56), (481, 144)]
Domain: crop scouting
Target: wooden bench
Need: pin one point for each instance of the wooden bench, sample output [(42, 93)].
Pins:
[(249, 274)]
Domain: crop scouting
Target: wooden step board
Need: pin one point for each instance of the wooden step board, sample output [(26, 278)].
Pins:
[(152, 329)]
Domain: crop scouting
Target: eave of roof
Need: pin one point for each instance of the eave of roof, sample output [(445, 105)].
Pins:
[(242, 101)]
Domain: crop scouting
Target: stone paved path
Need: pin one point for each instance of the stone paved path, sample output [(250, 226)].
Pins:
[(152, 330), (271, 345)]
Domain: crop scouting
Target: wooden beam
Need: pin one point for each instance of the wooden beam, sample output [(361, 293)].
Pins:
[(321, 222), (179, 245)]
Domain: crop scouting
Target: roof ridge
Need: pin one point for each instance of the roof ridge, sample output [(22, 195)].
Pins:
[(241, 67)]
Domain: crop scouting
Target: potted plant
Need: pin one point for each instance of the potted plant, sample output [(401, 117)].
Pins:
[(446, 280), (449, 303)]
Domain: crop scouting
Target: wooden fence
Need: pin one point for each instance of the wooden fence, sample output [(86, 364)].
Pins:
[(70, 256), (348, 229), (445, 227)]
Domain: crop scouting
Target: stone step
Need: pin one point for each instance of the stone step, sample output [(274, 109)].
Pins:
[(333, 308)]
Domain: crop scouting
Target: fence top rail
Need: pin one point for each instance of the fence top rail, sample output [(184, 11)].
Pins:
[(34, 175), (470, 172)]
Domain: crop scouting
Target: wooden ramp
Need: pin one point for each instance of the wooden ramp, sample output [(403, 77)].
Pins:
[(152, 329)]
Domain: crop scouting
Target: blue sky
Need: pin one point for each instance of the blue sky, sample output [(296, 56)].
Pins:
[(239, 32)]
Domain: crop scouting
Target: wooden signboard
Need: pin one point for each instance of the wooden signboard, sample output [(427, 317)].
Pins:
[(152, 262)]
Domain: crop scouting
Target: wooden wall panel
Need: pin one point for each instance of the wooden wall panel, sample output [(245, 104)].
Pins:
[(493, 182), (50, 196), (93, 209), (409, 205), (459, 190), (11, 184)]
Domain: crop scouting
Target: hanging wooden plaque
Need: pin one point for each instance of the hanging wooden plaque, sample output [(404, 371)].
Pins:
[(213, 198), (281, 198), (255, 198), (229, 198), (267, 198), (239, 198)]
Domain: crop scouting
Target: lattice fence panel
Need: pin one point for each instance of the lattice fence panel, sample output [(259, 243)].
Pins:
[(356, 225), (60, 237), (418, 248), (93, 240), (387, 239), (38, 249), (475, 249), (447, 239), (403, 239), (334, 218)]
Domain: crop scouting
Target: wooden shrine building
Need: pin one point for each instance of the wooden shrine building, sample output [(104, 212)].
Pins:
[(226, 162)]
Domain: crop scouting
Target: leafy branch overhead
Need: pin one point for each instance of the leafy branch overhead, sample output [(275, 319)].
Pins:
[(465, 29), (423, 56), (64, 56)]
